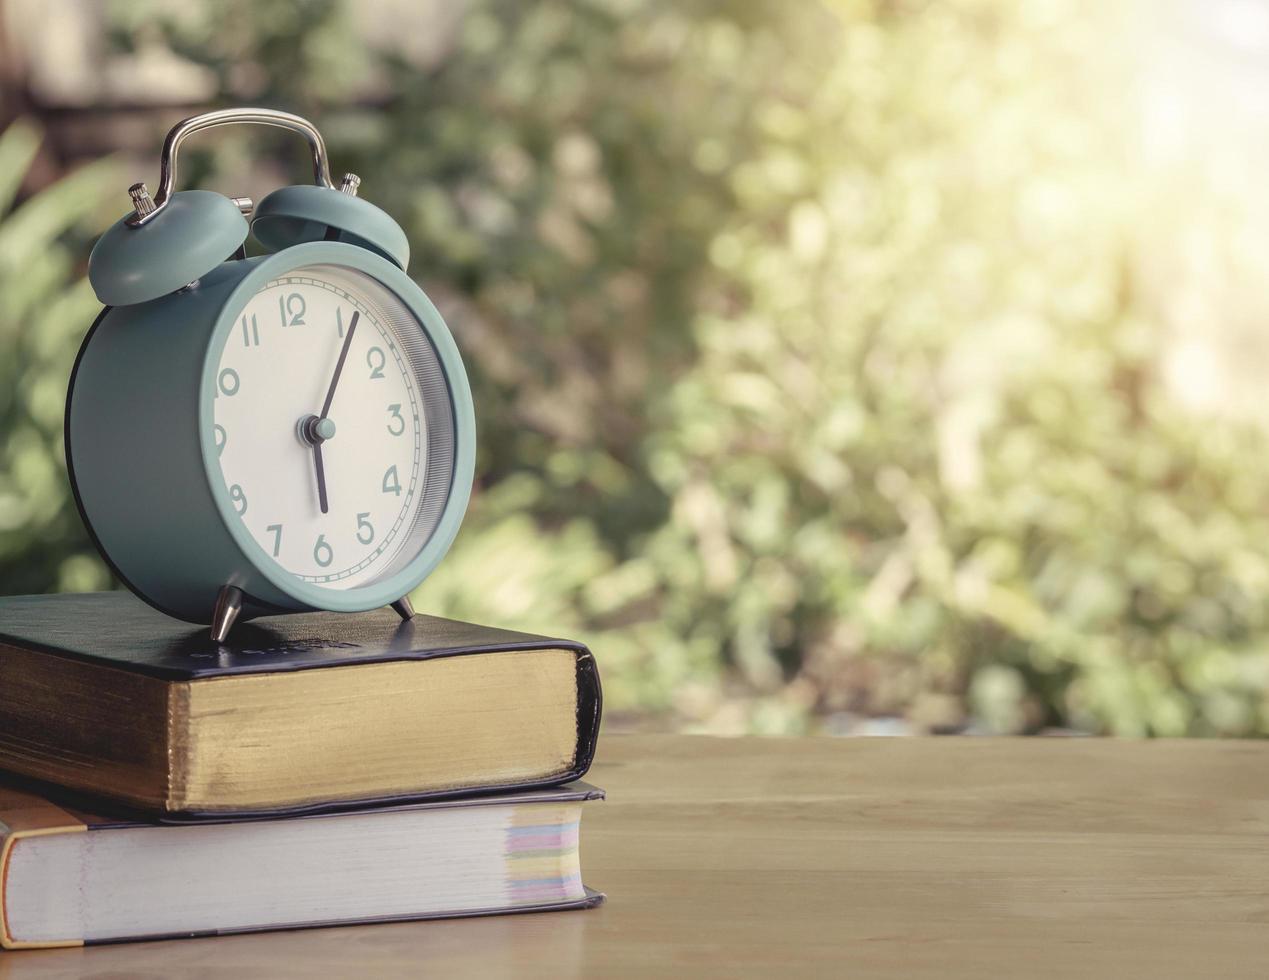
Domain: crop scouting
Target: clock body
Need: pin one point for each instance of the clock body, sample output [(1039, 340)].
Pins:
[(187, 451)]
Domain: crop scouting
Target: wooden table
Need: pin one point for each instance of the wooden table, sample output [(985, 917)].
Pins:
[(848, 858)]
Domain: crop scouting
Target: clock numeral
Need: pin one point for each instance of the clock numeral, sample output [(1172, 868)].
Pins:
[(221, 437), (250, 332), (228, 382), (239, 498), (276, 530), (365, 525), (292, 308), (391, 482), (395, 412), (375, 360), (323, 553), (339, 320)]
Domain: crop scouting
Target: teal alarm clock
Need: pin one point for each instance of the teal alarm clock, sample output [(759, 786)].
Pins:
[(286, 432)]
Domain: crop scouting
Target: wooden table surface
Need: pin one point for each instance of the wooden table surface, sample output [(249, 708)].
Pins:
[(905, 858)]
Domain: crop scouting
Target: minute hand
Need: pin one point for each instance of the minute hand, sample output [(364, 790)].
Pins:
[(339, 365)]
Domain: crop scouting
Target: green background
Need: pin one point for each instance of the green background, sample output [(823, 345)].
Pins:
[(835, 363)]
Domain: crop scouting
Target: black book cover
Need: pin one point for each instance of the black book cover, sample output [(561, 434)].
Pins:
[(116, 630)]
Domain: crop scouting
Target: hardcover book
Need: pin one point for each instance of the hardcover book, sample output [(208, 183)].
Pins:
[(69, 878), (106, 697)]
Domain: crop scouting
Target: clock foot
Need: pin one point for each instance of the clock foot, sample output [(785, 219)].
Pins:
[(403, 607), (228, 606)]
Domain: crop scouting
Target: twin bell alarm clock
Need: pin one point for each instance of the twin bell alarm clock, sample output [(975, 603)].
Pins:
[(287, 432)]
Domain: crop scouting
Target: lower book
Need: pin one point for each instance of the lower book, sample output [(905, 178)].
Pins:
[(69, 878)]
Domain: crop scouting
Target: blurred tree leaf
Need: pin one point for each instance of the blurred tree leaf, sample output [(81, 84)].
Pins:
[(812, 372), (45, 308)]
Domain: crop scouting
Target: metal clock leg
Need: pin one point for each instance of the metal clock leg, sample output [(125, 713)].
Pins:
[(403, 607), (228, 606)]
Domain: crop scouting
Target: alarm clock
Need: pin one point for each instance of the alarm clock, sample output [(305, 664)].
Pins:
[(287, 432)]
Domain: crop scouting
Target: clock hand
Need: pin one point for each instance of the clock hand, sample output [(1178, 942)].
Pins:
[(330, 397), (321, 478), (339, 365), (314, 432)]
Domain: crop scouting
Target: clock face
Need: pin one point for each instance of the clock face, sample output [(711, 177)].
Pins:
[(331, 427)]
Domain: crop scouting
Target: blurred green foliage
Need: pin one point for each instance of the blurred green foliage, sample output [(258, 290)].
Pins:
[(812, 375), (45, 308)]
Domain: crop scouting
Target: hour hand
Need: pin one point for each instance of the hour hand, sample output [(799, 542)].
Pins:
[(314, 432), (321, 478)]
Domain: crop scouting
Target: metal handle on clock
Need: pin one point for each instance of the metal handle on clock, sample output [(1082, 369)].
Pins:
[(147, 209)]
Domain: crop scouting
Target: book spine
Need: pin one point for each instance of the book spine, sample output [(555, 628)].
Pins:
[(23, 816), (8, 842), (590, 708)]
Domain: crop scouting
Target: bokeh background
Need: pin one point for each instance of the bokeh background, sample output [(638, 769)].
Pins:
[(841, 365)]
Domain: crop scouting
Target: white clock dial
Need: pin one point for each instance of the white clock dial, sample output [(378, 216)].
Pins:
[(324, 459)]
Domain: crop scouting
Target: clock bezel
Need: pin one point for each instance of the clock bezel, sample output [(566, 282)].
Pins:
[(435, 331)]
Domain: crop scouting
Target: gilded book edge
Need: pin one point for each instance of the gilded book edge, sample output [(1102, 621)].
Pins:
[(178, 739), (163, 795)]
